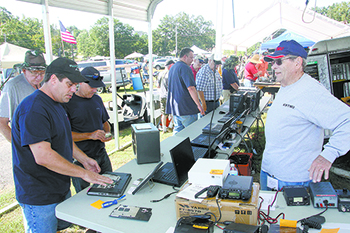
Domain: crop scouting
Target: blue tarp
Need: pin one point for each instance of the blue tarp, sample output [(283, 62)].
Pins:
[(287, 35)]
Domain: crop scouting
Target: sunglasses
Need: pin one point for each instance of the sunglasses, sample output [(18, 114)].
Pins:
[(95, 77), (280, 61)]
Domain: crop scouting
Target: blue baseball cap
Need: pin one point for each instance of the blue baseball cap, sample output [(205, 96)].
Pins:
[(287, 47)]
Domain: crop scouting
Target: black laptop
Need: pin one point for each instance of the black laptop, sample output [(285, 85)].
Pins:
[(176, 173), (217, 128), (209, 140)]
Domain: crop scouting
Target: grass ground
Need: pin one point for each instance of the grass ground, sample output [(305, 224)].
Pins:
[(12, 221)]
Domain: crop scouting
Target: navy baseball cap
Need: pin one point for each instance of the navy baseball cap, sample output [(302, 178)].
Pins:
[(287, 47), (94, 77)]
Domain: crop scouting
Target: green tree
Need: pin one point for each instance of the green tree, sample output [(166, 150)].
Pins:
[(96, 41), (189, 30), (27, 33), (337, 11)]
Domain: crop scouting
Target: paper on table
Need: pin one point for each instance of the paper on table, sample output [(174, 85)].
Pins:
[(268, 198), (190, 191)]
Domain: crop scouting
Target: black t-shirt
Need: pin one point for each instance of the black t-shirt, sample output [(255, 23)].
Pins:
[(87, 115)]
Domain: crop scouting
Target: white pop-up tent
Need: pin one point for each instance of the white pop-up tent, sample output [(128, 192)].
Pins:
[(11, 54), (279, 15)]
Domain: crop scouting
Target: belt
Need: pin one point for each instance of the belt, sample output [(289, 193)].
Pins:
[(212, 100)]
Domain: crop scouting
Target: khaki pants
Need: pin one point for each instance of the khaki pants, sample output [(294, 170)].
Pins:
[(226, 95)]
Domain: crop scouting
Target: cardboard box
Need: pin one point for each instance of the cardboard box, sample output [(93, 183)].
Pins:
[(239, 211), (209, 171)]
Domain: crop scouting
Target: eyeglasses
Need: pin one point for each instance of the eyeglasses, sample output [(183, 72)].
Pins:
[(280, 60), (95, 77), (37, 72)]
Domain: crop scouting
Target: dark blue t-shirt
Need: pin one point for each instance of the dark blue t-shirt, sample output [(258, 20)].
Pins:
[(180, 102), (229, 77), (87, 115), (39, 118)]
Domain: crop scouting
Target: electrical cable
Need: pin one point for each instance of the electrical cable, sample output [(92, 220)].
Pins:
[(166, 196), (266, 217)]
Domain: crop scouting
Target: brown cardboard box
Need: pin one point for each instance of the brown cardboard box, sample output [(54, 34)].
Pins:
[(231, 210)]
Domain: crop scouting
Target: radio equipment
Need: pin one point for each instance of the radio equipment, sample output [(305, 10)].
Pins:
[(237, 187), (296, 195), (343, 200), (322, 194)]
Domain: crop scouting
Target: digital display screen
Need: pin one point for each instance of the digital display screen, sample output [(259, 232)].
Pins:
[(297, 199), (344, 199), (232, 194)]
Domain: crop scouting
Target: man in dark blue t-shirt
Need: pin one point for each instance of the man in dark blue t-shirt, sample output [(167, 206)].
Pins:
[(90, 128), (43, 150), (183, 102)]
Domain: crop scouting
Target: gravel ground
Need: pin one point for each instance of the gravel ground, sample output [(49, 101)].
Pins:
[(6, 177)]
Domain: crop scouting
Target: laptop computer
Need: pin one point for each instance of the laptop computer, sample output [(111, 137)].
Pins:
[(209, 140), (199, 152), (176, 173), (216, 128), (116, 189)]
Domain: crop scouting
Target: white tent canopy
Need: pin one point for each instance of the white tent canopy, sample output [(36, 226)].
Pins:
[(197, 50), (283, 15), (141, 10), (134, 55), (11, 54)]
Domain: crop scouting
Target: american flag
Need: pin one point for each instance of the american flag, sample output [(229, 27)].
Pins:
[(66, 36)]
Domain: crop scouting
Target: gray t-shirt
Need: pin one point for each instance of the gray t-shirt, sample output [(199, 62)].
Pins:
[(15, 90)]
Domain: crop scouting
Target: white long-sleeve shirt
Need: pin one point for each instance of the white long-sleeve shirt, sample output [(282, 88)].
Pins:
[(295, 126)]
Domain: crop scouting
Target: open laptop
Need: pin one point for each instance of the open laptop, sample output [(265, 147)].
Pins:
[(176, 173), (216, 128), (209, 140)]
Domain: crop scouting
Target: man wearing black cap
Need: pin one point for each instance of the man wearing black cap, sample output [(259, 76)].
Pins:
[(19, 87), (294, 152), (89, 123), (43, 149)]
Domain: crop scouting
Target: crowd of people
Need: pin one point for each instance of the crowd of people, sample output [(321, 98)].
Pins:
[(58, 126)]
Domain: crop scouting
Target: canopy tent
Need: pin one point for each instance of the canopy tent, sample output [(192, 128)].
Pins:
[(287, 35), (134, 55), (11, 54), (279, 15), (141, 10), (197, 50)]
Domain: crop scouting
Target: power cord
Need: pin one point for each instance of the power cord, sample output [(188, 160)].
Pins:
[(314, 221), (166, 196)]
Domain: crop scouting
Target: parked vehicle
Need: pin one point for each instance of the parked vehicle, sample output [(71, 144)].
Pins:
[(159, 63), (104, 68)]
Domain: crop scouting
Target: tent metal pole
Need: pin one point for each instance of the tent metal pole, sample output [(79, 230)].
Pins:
[(47, 32), (113, 73), (150, 68)]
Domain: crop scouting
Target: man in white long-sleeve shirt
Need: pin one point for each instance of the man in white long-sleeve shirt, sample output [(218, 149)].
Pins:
[(294, 152)]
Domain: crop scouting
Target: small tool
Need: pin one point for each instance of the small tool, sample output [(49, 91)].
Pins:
[(109, 203)]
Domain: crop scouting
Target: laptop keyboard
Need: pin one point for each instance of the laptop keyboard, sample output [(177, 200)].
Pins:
[(170, 175), (199, 152), (226, 117)]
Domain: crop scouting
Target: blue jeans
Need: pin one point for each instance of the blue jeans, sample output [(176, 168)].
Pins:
[(281, 184), (248, 83), (180, 122), (105, 164), (42, 218)]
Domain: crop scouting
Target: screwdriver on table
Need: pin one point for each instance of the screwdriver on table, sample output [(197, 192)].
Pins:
[(114, 202)]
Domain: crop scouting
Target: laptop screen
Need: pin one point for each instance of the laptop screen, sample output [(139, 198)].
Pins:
[(183, 159)]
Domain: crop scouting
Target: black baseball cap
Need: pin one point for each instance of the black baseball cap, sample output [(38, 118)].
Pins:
[(94, 77), (68, 68)]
